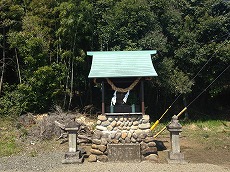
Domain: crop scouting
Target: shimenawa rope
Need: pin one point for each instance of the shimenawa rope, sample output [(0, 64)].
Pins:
[(123, 90)]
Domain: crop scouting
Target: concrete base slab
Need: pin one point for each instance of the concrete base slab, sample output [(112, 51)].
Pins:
[(124, 152), (72, 161), (73, 157), (176, 158), (176, 161)]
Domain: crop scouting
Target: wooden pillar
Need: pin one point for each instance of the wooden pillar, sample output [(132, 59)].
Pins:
[(142, 98), (103, 98)]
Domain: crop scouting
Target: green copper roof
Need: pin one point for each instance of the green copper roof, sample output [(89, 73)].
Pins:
[(113, 64)]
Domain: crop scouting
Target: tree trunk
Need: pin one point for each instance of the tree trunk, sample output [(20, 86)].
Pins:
[(90, 94), (66, 85), (71, 82), (71, 86), (3, 60), (185, 105), (18, 67)]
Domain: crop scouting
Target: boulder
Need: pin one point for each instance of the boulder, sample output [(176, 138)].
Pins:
[(102, 117), (143, 146), (110, 128), (151, 144), (110, 119), (145, 118), (102, 158), (149, 150), (133, 140), (135, 135), (152, 157), (102, 148), (118, 123), (143, 135), (115, 141), (113, 124), (97, 134), (105, 134), (144, 126), (134, 127), (127, 140), (149, 139), (96, 141), (105, 123), (150, 134), (130, 123), (101, 128), (94, 146), (104, 141), (92, 158), (123, 135), (126, 123), (96, 152), (118, 135), (135, 123), (112, 135), (98, 122)]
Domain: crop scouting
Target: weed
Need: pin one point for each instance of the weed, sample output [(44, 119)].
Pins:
[(24, 132), (33, 153)]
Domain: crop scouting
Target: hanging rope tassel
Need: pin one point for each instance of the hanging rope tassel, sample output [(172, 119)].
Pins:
[(126, 97), (114, 98)]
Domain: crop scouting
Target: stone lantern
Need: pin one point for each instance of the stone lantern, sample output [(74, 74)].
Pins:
[(175, 155), (73, 155)]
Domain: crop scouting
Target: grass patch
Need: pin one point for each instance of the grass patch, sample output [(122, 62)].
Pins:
[(8, 147), (212, 134), (8, 135)]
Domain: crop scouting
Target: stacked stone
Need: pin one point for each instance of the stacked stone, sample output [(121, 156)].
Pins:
[(123, 129), (129, 123)]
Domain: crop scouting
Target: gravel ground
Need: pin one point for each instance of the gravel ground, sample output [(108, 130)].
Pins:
[(52, 162)]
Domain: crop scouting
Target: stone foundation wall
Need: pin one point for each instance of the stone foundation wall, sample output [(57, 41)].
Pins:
[(122, 129)]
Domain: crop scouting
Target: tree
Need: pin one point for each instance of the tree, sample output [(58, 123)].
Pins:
[(124, 24), (10, 16)]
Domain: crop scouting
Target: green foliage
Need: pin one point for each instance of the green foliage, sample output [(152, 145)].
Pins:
[(122, 26), (173, 79), (46, 44), (37, 94), (44, 89), (12, 102)]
